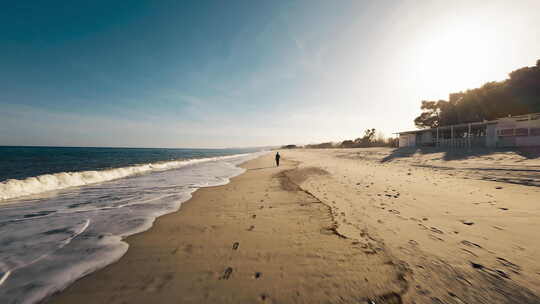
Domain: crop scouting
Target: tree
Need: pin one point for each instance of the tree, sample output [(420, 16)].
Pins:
[(367, 139), (430, 117), (517, 95)]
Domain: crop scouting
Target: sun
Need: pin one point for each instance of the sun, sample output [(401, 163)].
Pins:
[(456, 57)]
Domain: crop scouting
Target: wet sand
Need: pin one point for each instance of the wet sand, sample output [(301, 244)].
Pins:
[(260, 238)]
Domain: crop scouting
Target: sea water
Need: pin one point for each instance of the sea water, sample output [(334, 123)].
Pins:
[(65, 211)]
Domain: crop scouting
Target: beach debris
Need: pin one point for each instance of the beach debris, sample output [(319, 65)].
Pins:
[(235, 245), (226, 274)]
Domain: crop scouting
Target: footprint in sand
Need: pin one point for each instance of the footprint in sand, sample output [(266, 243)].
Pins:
[(434, 229), (227, 274), (436, 238), (424, 227), (157, 283), (257, 275), (466, 222), (235, 245), (390, 298), (251, 228), (469, 252), (511, 266), (489, 270), (470, 244)]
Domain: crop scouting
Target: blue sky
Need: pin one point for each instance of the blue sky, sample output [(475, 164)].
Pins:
[(244, 73)]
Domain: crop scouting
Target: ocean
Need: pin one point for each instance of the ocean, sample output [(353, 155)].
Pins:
[(64, 211)]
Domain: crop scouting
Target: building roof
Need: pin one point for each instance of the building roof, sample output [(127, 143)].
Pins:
[(463, 125)]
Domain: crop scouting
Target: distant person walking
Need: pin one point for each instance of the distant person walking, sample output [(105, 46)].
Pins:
[(277, 158)]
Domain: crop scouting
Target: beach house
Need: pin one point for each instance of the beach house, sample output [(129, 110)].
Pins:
[(511, 131)]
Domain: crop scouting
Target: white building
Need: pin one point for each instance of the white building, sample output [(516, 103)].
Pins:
[(512, 131)]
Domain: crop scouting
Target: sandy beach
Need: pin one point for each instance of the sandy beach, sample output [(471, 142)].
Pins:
[(341, 226)]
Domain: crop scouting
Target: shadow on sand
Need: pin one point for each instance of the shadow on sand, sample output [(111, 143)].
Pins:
[(457, 154)]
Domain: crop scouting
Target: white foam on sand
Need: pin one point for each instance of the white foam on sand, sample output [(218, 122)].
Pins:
[(50, 242)]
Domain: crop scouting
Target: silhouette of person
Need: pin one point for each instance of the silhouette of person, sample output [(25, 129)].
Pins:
[(277, 158)]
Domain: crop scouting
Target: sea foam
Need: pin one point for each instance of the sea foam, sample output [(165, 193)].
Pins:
[(46, 246), (14, 188)]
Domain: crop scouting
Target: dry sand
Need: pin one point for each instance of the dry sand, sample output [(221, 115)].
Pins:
[(342, 226), (466, 225)]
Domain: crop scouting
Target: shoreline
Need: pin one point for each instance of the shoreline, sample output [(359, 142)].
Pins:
[(51, 241), (257, 238), (13, 189), (339, 226)]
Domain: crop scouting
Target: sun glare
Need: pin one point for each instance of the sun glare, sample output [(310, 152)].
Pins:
[(455, 58)]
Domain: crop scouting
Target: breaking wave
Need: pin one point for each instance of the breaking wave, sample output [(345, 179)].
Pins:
[(14, 188)]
